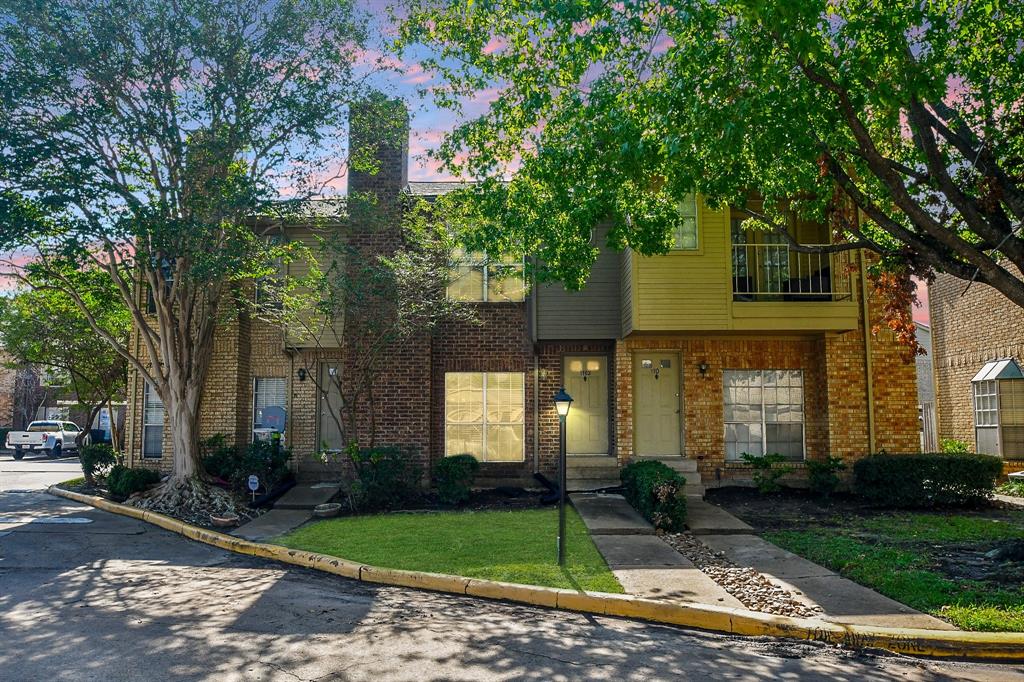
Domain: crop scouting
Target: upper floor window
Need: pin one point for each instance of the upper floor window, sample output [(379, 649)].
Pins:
[(482, 279), (685, 234)]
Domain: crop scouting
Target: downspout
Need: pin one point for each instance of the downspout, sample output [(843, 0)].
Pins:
[(867, 355)]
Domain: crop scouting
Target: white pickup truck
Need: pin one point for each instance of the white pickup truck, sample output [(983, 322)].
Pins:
[(49, 436)]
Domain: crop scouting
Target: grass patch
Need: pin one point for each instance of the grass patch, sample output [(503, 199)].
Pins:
[(511, 546), (72, 482), (938, 528), (904, 573)]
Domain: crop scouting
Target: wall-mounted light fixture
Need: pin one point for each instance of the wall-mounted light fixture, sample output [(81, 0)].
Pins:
[(703, 368), (302, 373)]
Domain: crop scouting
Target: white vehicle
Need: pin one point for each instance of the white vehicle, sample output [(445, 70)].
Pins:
[(50, 436)]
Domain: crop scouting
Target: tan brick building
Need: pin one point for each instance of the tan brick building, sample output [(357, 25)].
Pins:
[(728, 344), (978, 399)]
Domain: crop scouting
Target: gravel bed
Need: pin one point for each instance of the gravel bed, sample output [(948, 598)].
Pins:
[(753, 589)]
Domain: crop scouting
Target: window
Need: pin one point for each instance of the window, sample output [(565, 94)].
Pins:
[(999, 409), (764, 413), (685, 232), (482, 279), (266, 392), (152, 423), (484, 415)]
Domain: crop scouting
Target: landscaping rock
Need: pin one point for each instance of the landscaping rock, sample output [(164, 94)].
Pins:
[(753, 589)]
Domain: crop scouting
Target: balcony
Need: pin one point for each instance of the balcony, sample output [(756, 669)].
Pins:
[(775, 273)]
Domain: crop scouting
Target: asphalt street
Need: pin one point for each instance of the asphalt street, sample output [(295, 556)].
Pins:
[(36, 471), (88, 595)]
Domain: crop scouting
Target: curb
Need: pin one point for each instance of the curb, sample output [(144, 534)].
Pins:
[(991, 646)]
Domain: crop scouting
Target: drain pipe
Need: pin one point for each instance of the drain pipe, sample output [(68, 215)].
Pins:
[(867, 355)]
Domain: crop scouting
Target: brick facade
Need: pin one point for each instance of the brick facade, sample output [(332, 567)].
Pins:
[(970, 326), (408, 405)]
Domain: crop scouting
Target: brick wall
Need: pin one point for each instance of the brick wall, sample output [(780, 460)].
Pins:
[(8, 381), (968, 329)]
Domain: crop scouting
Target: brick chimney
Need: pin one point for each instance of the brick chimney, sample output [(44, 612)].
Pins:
[(379, 136)]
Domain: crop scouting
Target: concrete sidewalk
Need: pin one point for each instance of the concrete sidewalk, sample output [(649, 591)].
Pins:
[(643, 563), (647, 566), (291, 511)]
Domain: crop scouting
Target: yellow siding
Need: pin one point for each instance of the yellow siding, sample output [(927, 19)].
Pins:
[(685, 290), (692, 290)]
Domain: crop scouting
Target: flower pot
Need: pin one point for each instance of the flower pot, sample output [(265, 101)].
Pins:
[(325, 511), (225, 521)]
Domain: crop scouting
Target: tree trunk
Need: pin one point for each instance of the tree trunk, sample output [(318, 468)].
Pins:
[(183, 416)]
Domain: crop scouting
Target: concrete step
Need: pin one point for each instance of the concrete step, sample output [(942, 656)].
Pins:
[(679, 464), (307, 496), (696, 491), (587, 461)]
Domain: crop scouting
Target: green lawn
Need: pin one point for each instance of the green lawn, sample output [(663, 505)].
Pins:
[(898, 556), (511, 546)]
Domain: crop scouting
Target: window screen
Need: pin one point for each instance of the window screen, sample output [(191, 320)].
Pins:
[(684, 234), (266, 392)]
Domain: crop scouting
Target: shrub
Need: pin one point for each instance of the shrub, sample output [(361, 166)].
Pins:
[(927, 480), (657, 492), (767, 472), (266, 459), (952, 446), (454, 476), (97, 461), (387, 478), (1012, 488), (823, 475), (219, 458), (3, 436), (124, 482)]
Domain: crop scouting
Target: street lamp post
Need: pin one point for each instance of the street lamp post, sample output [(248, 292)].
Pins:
[(562, 402)]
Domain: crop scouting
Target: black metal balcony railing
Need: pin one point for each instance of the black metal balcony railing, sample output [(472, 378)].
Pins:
[(774, 272)]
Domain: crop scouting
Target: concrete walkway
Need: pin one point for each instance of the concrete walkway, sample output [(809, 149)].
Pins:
[(643, 563), (291, 511), (647, 566)]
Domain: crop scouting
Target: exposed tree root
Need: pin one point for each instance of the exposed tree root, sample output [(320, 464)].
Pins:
[(192, 500)]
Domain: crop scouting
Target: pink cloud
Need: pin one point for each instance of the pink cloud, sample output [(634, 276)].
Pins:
[(922, 313), (415, 74), (494, 44)]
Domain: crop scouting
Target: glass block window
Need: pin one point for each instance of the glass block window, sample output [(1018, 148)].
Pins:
[(478, 278), (685, 236), (764, 413), (152, 423), (484, 415)]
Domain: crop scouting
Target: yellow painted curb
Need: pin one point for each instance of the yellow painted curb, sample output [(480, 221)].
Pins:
[(993, 646)]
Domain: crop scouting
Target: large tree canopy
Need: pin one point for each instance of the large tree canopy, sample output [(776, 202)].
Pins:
[(141, 137), (909, 110)]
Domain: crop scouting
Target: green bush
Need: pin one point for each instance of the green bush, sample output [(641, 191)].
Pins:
[(767, 471), (454, 476), (927, 480), (123, 482), (952, 446), (657, 492), (387, 478), (1012, 488), (3, 437), (97, 461), (266, 459), (823, 475)]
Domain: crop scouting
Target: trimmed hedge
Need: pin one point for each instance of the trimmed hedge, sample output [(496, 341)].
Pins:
[(657, 492), (454, 478), (927, 479), (123, 482)]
